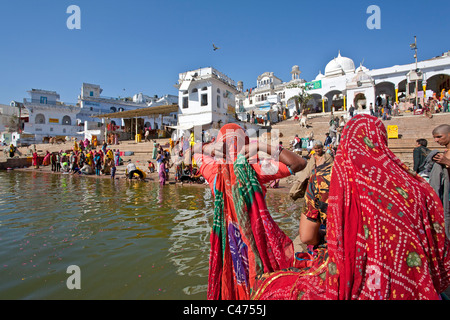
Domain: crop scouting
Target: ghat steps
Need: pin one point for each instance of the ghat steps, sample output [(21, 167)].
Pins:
[(411, 127)]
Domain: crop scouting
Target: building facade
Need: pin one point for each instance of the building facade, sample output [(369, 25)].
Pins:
[(207, 99), (342, 85), (269, 91), (93, 103), (49, 117)]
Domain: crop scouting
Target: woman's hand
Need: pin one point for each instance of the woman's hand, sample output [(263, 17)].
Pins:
[(250, 150)]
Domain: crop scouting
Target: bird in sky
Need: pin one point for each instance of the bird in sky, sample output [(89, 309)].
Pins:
[(215, 48)]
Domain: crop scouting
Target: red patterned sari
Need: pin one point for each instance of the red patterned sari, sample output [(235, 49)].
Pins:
[(385, 230)]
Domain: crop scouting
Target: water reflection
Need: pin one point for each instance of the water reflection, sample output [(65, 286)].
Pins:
[(131, 240)]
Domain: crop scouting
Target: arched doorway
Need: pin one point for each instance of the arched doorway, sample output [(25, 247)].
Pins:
[(386, 91), (315, 104), (360, 101), (335, 101), (402, 91), (437, 83)]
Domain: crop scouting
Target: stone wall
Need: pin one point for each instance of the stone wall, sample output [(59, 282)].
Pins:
[(15, 163)]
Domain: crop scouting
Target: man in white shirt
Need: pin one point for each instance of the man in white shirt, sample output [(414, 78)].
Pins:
[(131, 170)]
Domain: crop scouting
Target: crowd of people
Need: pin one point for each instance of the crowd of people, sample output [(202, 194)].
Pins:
[(331, 140), (83, 159), (374, 229), (179, 157)]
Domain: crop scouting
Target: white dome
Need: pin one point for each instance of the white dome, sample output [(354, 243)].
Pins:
[(346, 64), (320, 76), (339, 66), (333, 67)]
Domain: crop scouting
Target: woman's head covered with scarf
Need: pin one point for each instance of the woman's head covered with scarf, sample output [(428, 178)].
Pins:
[(385, 234), (233, 140)]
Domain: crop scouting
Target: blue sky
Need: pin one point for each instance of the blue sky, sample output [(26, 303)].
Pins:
[(136, 46)]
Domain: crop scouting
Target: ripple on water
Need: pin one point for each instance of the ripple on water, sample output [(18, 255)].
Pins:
[(131, 240)]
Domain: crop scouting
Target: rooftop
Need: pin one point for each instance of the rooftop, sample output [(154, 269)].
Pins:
[(204, 73)]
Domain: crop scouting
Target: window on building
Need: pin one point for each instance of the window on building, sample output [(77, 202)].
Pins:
[(185, 102), (43, 100), (66, 121), (40, 119), (91, 93), (218, 101), (195, 90), (204, 101)]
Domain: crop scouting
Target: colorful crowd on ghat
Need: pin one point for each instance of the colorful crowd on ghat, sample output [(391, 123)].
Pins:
[(85, 159)]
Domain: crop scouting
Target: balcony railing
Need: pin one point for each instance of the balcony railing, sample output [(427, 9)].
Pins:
[(49, 103)]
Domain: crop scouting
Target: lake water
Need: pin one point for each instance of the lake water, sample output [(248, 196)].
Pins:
[(131, 240)]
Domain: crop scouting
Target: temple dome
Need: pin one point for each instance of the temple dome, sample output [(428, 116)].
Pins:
[(320, 76), (333, 67), (346, 64), (339, 66)]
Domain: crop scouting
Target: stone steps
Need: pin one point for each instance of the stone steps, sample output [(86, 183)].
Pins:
[(410, 127)]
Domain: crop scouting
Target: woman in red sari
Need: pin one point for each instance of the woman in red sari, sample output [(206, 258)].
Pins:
[(385, 230), (245, 241), (35, 160)]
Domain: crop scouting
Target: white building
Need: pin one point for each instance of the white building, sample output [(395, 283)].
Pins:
[(49, 117), (342, 85), (11, 129), (270, 91), (155, 101), (9, 116), (207, 100), (93, 103)]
